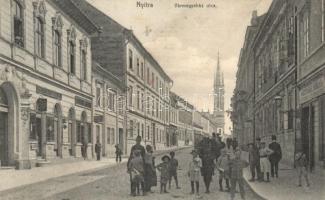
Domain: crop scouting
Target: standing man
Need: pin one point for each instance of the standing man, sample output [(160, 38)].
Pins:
[(254, 161), (258, 164), (134, 148), (84, 149), (98, 149), (208, 166), (275, 157)]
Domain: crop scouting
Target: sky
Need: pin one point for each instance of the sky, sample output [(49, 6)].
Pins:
[(186, 41)]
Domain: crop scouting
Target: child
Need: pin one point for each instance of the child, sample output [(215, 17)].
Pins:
[(173, 165), (164, 175), (236, 174), (136, 173), (301, 164), (223, 168), (118, 153), (265, 164), (194, 171)]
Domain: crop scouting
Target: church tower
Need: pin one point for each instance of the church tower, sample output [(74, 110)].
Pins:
[(219, 99)]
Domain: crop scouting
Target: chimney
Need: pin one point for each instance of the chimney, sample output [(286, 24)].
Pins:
[(254, 18)]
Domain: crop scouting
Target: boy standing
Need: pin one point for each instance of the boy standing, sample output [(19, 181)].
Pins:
[(194, 171), (164, 173), (173, 166), (223, 168), (301, 164), (136, 173), (236, 174)]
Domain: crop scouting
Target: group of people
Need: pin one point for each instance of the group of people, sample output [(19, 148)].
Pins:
[(264, 160), (213, 155)]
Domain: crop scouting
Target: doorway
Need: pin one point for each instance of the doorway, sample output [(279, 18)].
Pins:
[(307, 134), (4, 156)]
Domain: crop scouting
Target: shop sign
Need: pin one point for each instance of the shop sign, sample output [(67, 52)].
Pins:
[(315, 88), (49, 93), (99, 119), (83, 102)]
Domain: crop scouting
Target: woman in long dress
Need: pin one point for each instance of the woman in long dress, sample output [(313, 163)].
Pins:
[(150, 171)]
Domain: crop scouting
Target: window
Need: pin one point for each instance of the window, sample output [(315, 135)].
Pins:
[(131, 129), (153, 80), (148, 132), (72, 57), (80, 130), (83, 65), (157, 108), (97, 132), (98, 97), (130, 96), (49, 129), (142, 130), (290, 119), (306, 33), (130, 59), (57, 48), (33, 127), (40, 41), (18, 24), (111, 101), (148, 104), (142, 71), (89, 132), (138, 128), (157, 83), (138, 67), (142, 99), (148, 76), (138, 100)]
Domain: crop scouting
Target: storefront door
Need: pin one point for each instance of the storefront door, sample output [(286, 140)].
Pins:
[(4, 138), (307, 131)]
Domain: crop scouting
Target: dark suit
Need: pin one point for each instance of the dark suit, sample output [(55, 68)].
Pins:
[(136, 147), (275, 158), (254, 162)]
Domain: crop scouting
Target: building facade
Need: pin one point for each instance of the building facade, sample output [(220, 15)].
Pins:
[(45, 83), (118, 50), (108, 110), (287, 48)]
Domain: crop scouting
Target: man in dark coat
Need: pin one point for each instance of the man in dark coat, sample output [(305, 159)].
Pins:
[(257, 145), (141, 149), (275, 157), (254, 161), (98, 149), (207, 156)]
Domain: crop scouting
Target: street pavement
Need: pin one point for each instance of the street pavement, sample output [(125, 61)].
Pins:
[(113, 183)]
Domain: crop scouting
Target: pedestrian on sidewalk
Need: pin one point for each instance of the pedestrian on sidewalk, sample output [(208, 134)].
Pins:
[(223, 169), (84, 149), (98, 149), (134, 148), (265, 152), (150, 177), (118, 153), (136, 173), (236, 174), (254, 161), (173, 167), (164, 173), (194, 172), (258, 166), (208, 162), (275, 157), (302, 167)]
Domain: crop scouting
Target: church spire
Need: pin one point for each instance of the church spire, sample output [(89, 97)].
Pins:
[(217, 78)]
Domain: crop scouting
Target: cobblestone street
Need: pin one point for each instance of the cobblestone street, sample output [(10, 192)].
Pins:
[(111, 183)]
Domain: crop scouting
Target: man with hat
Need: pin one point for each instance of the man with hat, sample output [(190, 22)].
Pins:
[(275, 157)]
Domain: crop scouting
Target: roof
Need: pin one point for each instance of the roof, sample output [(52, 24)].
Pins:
[(70, 9), (109, 26)]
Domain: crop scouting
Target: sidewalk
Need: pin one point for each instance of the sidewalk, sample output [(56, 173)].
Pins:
[(11, 178), (285, 187)]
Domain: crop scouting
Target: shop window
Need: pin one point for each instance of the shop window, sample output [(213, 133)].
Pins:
[(80, 129), (49, 129), (89, 133), (33, 127)]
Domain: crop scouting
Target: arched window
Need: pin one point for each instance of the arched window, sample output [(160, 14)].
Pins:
[(83, 59), (57, 40), (18, 7), (72, 50), (40, 41)]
